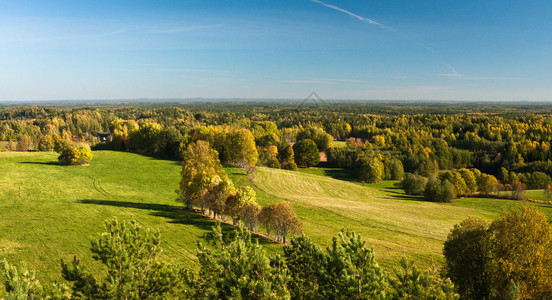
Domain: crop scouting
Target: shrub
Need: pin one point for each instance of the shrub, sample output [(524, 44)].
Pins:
[(74, 155), (439, 191), (414, 184)]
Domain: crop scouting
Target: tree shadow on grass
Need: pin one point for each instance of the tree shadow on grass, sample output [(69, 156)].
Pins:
[(402, 196), (49, 163), (340, 174), (175, 214)]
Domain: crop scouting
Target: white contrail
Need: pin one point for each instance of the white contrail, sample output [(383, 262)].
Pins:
[(372, 22), (452, 70), (363, 19)]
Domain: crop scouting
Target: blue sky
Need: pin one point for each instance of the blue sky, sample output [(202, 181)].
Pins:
[(411, 50)]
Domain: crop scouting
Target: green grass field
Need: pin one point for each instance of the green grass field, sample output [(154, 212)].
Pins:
[(49, 212), (393, 223)]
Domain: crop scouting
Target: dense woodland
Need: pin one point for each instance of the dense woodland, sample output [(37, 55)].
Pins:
[(508, 141), (441, 151)]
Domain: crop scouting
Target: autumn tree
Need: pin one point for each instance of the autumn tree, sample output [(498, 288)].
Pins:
[(518, 189), (509, 258), (522, 241), (201, 168), (306, 153), (486, 183), (240, 147), (548, 193), (265, 217), (216, 198), (46, 143), (370, 169), (249, 214), (236, 202), (70, 154), (282, 219)]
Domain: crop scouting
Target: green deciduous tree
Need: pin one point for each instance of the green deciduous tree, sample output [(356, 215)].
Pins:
[(456, 179), (414, 184), (393, 169), (439, 191), (286, 156), (316, 134), (306, 153), (468, 256), (470, 180)]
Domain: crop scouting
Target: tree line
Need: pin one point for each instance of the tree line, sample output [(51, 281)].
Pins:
[(497, 140), (377, 143), (205, 184)]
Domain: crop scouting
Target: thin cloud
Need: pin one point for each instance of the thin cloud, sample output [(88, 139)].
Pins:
[(72, 37), (452, 73), (322, 81), (187, 70), (363, 19), (184, 29)]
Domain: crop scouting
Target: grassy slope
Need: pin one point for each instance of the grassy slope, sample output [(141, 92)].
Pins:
[(61, 207), (394, 224)]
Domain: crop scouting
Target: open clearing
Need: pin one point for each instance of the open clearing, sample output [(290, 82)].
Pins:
[(394, 224), (49, 212)]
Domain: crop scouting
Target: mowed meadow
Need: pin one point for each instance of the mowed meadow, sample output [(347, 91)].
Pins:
[(49, 212)]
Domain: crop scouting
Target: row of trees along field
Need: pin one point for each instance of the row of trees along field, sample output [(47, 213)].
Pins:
[(205, 184), (506, 259), (508, 141)]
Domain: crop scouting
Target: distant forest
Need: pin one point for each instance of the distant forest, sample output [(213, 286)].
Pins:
[(508, 140)]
